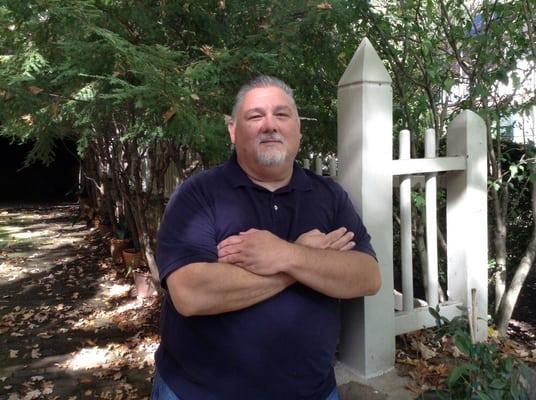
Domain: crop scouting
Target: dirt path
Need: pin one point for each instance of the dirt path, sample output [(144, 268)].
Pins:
[(70, 327)]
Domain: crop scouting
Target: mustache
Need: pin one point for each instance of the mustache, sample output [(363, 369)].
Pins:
[(270, 137)]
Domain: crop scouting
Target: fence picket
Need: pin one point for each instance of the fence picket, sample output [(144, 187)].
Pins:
[(432, 276), (405, 224)]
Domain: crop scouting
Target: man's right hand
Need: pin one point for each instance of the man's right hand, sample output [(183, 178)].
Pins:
[(339, 239)]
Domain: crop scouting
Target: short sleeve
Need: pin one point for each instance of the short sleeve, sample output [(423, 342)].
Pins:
[(186, 233), (348, 217)]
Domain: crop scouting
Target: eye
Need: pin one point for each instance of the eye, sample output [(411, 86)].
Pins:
[(254, 117)]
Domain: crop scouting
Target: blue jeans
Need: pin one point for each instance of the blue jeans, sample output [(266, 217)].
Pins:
[(161, 391)]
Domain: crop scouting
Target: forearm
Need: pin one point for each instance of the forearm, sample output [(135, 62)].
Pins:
[(215, 288), (339, 274)]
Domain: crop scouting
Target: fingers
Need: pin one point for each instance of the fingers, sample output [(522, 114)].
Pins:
[(251, 230), (235, 239), (342, 241), (307, 238), (229, 249), (348, 246), (335, 235), (230, 259)]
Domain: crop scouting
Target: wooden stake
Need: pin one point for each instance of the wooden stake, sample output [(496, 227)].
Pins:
[(472, 316)]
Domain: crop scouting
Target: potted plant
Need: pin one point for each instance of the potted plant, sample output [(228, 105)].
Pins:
[(145, 286), (131, 258), (143, 281)]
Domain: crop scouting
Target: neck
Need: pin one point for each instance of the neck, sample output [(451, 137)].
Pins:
[(269, 177)]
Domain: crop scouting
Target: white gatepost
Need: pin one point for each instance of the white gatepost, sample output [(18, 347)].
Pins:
[(365, 155), (467, 240)]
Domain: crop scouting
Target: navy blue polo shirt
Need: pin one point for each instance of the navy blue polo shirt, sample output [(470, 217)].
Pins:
[(281, 348)]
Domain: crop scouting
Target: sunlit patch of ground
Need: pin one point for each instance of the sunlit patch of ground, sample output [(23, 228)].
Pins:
[(136, 353), (90, 357), (11, 272)]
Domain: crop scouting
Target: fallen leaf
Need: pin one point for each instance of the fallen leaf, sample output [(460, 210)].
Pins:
[(40, 317), (13, 353), (208, 50), (35, 353), (35, 89), (169, 113), (425, 351), (456, 353), (28, 315), (48, 387), (28, 119), (32, 394), (324, 6)]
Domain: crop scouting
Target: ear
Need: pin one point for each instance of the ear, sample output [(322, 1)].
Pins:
[(231, 128)]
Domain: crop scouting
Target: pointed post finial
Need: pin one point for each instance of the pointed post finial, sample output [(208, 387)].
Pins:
[(365, 66)]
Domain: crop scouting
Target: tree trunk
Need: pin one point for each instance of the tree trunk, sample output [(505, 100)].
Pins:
[(420, 244), (499, 241), (509, 299), (500, 198)]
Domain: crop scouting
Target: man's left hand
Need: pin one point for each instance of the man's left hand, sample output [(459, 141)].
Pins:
[(260, 252)]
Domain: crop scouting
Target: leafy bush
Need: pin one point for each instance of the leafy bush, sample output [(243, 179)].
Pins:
[(485, 373)]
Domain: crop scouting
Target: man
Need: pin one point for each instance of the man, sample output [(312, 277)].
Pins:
[(255, 254)]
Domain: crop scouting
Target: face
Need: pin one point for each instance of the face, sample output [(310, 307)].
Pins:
[(266, 131)]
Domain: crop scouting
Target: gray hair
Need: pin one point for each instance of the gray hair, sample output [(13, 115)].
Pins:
[(261, 81)]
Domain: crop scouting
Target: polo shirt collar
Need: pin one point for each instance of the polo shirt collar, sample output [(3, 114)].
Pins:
[(299, 180)]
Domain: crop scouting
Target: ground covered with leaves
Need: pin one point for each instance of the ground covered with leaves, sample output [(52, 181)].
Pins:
[(428, 358), (71, 326), (444, 363)]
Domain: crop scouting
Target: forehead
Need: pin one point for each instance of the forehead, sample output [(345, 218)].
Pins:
[(266, 97)]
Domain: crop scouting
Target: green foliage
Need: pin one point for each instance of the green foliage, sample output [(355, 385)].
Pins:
[(485, 373), (90, 62), (446, 327)]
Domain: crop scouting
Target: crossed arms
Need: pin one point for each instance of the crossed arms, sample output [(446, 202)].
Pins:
[(256, 265)]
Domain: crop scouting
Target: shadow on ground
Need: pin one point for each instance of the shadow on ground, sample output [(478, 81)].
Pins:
[(70, 327)]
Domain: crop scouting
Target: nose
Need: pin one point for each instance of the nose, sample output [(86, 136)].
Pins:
[(269, 123)]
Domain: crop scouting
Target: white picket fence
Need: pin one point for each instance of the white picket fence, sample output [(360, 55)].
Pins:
[(367, 171)]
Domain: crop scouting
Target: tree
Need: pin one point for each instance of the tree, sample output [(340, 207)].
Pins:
[(433, 48)]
